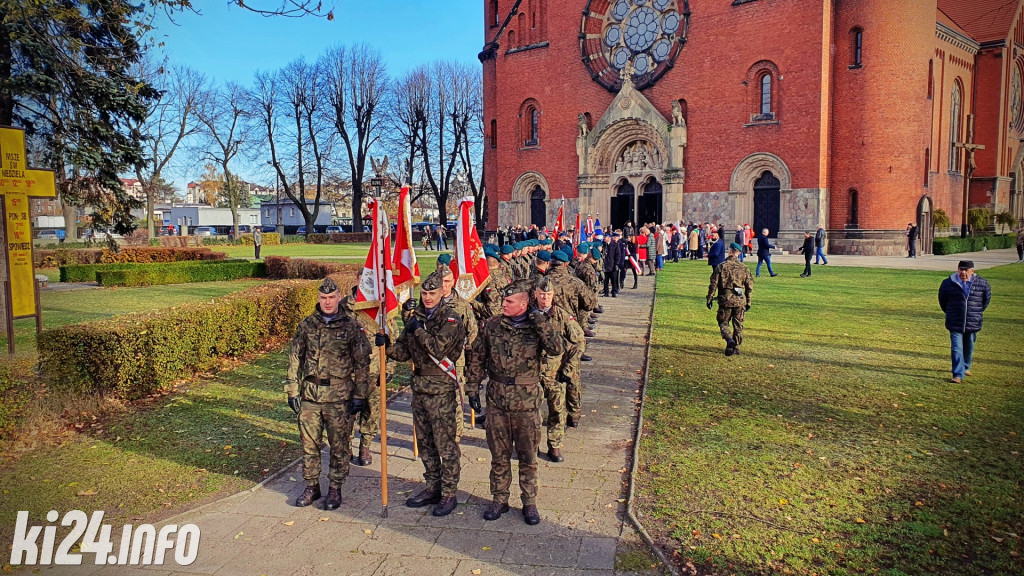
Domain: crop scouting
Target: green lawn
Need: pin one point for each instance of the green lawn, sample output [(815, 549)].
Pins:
[(835, 444)]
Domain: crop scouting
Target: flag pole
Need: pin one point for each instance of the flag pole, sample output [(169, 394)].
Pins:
[(382, 313)]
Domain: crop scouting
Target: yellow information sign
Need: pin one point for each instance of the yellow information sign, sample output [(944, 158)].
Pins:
[(17, 184)]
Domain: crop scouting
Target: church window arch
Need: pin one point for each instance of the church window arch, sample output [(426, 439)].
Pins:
[(854, 216), (511, 38), (763, 92), (766, 94), (857, 47), (955, 125), (931, 78), (494, 14), (529, 123)]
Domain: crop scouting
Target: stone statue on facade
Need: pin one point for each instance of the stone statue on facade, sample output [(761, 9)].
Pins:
[(677, 114), (584, 125)]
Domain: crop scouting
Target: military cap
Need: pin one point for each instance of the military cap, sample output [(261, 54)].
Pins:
[(544, 284), (595, 253), (328, 286), (616, 234), (533, 242), (560, 256), (491, 250), (546, 242), (584, 247), (518, 287), (736, 247), (544, 256), (507, 249), (444, 259), (519, 245), (434, 281)]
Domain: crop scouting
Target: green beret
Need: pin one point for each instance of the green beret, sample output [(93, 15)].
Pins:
[(433, 282), (533, 242), (544, 256), (519, 245), (546, 242), (328, 286), (583, 248), (518, 287), (444, 259), (736, 247), (560, 256), (507, 249), (491, 250), (595, 253)]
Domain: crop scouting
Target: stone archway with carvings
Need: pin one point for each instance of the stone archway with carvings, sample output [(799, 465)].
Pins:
[(746, 174), (517, 210)]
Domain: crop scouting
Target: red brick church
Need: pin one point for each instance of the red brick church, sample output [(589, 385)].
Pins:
[(784, 114)]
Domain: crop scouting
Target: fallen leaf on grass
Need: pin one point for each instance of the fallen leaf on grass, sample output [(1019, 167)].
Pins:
[(476, 571), (717, 536), (783, 501), (323, 519), (89, 492), (367, 531), (239, 535), (918, 503), (815, 540), (487, 547), (861, 521), (997, 539), (289, 523)]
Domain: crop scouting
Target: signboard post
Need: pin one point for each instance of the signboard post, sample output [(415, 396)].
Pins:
[(17, 184)]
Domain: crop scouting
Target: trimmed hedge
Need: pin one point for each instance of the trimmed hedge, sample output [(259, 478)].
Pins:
[(957, 245), (351, 237), (284, 267), (181, 273), (138, 254), (318, 238), (88, 272), (269, 239), (136, 354)]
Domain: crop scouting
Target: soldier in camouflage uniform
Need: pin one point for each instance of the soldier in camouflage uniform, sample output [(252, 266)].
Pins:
[(368, 422), (488, 302), (432, 338), (733, 283), (469, 323), (558, 371), (571, 293), (328, 382), (540, 265), (508, 352)]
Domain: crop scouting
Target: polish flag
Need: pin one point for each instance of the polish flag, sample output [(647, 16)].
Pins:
[(406, 271), (376, 289), (590, 227), (559, 221), (473, 273)]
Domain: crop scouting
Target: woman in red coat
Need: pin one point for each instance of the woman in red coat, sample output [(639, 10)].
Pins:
[(641, 248)]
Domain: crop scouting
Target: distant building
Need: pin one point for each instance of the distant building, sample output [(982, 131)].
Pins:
[(287, 214), (133, 188), (190, 216)]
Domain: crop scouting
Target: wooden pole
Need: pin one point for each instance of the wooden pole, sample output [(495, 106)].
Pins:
[(383, 431)]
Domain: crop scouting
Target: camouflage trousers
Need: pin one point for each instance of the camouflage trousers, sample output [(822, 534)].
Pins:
[(369, 422), (574, 398), (733, 316), (314, 418), (460, 414), (434, 419), (554, 392), (521, 431)]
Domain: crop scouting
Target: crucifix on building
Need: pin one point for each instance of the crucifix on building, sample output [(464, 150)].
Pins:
[(970, 148), (18, 183)]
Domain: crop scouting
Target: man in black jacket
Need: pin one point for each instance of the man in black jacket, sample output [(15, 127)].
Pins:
[(808, 250), (611, 253), (911, 240), (764, 254), (963, 296)]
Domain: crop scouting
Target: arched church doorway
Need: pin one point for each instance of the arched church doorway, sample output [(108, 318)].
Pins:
[(622, 205), (766, 204), (649, 204), (925, 229), (538, 208)]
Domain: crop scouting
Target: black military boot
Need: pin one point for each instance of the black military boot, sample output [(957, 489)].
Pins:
[(333, 498), (531, 515), (309, 495), (593, 316), (445, 507), (588, 333), (364, 458), (730, 347), (634, 285), (571, 422), (495, 510), (423, 498), (586, 358), (481, 420), (599, 309), (555, 455)]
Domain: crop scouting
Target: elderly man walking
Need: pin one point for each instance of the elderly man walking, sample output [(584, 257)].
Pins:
[(963, 296)]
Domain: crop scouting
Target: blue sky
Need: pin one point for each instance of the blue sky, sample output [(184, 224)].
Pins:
[(230, 44)]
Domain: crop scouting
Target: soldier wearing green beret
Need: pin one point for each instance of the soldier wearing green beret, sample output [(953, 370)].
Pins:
[(433, 337), (734, 283), (508, 353), (328, 383)]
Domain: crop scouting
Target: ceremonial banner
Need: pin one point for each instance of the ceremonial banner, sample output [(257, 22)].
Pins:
[(590, 228), (473, 273), (597, 226), (405, 268), (376, 285), (559, 221), (576, 234)]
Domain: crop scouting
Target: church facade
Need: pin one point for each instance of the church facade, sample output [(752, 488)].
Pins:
[(785, 114)]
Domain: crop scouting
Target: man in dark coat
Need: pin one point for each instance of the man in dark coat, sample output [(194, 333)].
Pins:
[(819, 247), (611, 253), (807, 250), (764, 254), (911, 240), (716, 254), (963, 296)]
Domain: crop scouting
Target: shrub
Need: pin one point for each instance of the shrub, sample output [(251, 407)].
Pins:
[(979, 219), (1006, 218), (957, 245), (317, 238), (135, 354), (351, 237), (90, 272), (941, 220), (14, 395), (64, 256), (146, 255), (178, 241), (181, 273), (284, 267), (269, 239)]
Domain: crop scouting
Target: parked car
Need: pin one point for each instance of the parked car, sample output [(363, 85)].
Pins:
[(170, 230), (301, 231), (270, 228), (204, 231), (51, 235), (92, 234), (336, 230)]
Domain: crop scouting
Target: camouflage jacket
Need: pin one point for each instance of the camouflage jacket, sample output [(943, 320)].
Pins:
[(488, 302), (567, 365), (511, 357), (728, 277), (588, 275), (370, 329), (571, 293), (443, 337), (464, 309), (329, 361)]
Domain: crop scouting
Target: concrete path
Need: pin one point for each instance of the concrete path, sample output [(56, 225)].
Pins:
[(581, 500), (982, 260)]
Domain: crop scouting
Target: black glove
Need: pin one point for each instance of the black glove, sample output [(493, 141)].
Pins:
[(536, 317), (357, 405), (474, 403), (746, 308), (380, 340), (709, 305), (413, 324), (295, 403)]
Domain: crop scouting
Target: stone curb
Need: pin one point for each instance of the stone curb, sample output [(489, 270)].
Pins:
[(636, 449)]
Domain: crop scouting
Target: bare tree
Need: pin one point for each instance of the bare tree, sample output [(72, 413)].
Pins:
[(223, 116), (408, 96), (356, 83), (171, 119), (471, 124)]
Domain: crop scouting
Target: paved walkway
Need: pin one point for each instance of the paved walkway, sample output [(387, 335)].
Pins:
[(982, 260), (581, 500)]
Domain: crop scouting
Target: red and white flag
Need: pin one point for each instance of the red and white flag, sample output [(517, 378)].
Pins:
[(576, 234), (376, 287), (406, 270), (590, 228), (560, 220), (473, 273)]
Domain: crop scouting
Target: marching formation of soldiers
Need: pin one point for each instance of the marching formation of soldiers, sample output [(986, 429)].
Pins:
[(511, 351)]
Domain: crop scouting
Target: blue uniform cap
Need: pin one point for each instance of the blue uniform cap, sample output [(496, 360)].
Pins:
[(444, 259), (544, 256), (560, 256)]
